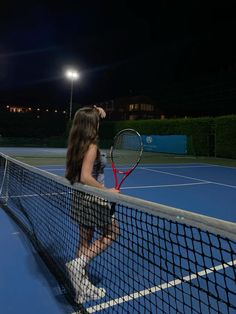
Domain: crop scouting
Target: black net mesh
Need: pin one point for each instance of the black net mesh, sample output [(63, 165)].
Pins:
[(153, 264)]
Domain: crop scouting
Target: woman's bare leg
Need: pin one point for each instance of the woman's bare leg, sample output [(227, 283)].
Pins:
[(109, 234), (86, 235)]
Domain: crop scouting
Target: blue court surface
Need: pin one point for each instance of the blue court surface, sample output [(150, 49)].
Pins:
[(201, 188), (26, 286)]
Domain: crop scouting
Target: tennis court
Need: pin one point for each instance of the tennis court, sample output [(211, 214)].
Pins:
[(157, 253)]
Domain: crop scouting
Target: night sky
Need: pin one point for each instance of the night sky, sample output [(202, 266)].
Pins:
[(178, 53)]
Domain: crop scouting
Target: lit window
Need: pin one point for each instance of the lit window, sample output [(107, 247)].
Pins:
[(131, 107)]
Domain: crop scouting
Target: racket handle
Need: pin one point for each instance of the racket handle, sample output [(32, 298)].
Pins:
[(117, 187)]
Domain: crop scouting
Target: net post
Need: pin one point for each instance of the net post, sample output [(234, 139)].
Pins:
[(5, 180)]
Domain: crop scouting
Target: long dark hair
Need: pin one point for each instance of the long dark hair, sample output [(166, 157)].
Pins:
[(83, 132)]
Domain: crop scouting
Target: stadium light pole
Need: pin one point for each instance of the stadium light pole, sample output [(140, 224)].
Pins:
[(72, 75)]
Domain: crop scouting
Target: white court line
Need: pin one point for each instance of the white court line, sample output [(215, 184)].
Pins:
[(186, 177), (170, 284), (54, 151), (53, 169), (222, 166), (161, 186), (182, 167), (192, 166)]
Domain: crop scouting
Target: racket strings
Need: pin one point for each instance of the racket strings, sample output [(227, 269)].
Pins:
[(126, 151)]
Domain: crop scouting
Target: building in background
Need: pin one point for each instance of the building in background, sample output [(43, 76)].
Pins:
[(125, 108), (131, 108), (31, 109)]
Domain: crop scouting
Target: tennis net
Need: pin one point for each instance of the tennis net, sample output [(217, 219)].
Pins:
[(163, 260)]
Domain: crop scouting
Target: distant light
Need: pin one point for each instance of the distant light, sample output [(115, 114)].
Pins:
[(30, 109), (64, 111), (46, 110), (38, 109), (8, 107), (72, 74), (55, 111)]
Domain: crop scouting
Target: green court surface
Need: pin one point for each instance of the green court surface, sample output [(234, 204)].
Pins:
[(57, 156)]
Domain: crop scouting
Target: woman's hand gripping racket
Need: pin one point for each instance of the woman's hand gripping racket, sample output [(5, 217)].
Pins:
[(125, 154)]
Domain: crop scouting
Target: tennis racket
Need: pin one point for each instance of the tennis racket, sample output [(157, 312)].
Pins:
[(125, 154)]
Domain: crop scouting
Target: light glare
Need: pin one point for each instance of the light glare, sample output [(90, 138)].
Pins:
[(71, 74)]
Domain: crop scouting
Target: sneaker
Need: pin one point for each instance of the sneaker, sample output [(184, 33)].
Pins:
[(84, 289), (75, 273), (88, 291), (81, 298)]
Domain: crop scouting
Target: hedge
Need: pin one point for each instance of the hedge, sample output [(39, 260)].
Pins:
[(225, 136), (207, 136), (200, 131)]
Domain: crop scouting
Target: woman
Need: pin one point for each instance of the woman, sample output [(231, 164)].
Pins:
[(85, 164)]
